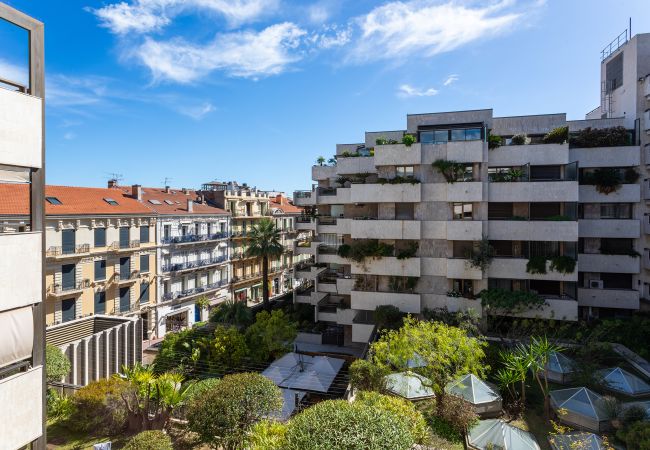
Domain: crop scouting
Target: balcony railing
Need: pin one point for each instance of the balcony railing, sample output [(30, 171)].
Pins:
[(68, 251), (327, 249), (194, 291), (326, 220), (326, 191), (188, 238), (193, 264), (124, 245), (76, 286), (117, 277), (248, 276), (302, 194)]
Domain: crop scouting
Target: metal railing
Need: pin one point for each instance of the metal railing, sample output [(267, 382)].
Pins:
[(302, 194), (63, 251), (193, 264), (129, 277), (76, 286), (614, 45), (194, 238), (124, 245), (194, 291)]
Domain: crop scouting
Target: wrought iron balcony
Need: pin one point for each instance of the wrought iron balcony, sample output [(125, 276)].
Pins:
[(59, 252), (195, 291), (193, 264), (190, 238)]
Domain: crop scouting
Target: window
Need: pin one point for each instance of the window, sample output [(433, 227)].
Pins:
[(500, 211), (464, 287), (125, 299), (100, 270), (404, 211), (100, 237), (467, 134), (462, 211), (615, 211), (434, 136), (462, 249), (404, 171), (144, 234), (110, 201), (155, 202), (144, 292), (144, 263), (100, 302), (616, 280), (124, 237), (167, 231), (544, 210), (545, 173), (125, 268), (68, 310), (197, 229), (616, 246), (53, 201), (68, 276), (169, 202), (68, 241)]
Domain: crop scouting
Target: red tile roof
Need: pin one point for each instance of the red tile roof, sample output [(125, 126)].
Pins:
[(177, 201), (14, 200), (283, 203)]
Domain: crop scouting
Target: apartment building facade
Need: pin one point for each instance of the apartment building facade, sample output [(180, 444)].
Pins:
[(193, 256), (22, 241), (408, 225)]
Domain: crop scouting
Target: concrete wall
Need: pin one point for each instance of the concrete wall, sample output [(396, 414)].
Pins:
[(609, 228), (540, 154), (534, 230), (21, 418), (407, 303), (535, 191), (607, 156)]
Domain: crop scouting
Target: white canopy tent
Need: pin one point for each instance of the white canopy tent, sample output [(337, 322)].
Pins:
[(409, 385), (485, 398), (581, 407), (303, 372), (497, 434), (621, 381)]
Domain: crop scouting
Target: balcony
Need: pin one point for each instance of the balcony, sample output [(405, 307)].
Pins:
[(388, 265), (626, 193), (119, 246), (201, 290), (626, 156), (398, 155), (305, 223), (344, 286), (515, 268), (464, 230), (58, 290), (452, 304), (333, 196), (305, 247), (21, 417), (65, 252), (21, 250), (555, 308), (536, 155), (304, 296), (304, 198), (126, 278), (361, 331), (609, 263), (247, 277), (385, 193), (609, 298), (407, 303), (354, 165), (533, 230), (459, 268), (534, 191), (609, 228), (194, 238), (385, 229), (181, 267), (323, 172)]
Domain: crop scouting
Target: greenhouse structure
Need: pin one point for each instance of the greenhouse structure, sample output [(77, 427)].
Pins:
[(484, 398), (560, 368), (580, 408), (497, 434), (623, 382), (409, 385), (577, 440)]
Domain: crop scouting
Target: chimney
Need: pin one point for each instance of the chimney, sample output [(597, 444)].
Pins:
[(167, 189), (190, 205), (136, 192), (185, 191), (112, 183)]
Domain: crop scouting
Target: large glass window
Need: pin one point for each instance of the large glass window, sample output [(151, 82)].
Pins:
[(100, 270), (404, 171), (462, 211), (464, 287), (615, 211)]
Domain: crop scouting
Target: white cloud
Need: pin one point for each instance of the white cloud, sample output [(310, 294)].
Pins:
[(144, 16), (197, 112), (330, 37), (69, 136), (246, 54), (400, 29), (406, 90), (14, 72), (450, 80)]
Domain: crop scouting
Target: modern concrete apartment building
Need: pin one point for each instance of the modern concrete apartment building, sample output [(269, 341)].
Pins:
[(192, 255), (558, 226), (22, 245)]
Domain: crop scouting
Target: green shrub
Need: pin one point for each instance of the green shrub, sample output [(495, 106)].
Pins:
[(603, 137), (452, 171), (358, 251), (494, 141), (563, 264), (400, 408), (149, 440), (536, 264), (337, 424), (198, 388), (633, 414), (557, 135), (381, 141), (409, 252), (510, 300), (224, 415), (344, 251), (408, 140), (459, 414), (388, 316), (366, 376), (606, 179), (268, 435), (518, 139), (630, 175), (636, 436), (57, 365), (99, 407), (271, 335), (59, 406)]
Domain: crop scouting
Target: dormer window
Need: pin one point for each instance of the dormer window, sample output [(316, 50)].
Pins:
[(111, 202)]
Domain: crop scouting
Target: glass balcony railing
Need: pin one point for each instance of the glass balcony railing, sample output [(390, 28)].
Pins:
[(193, 264), (194, 238), (194, 291)]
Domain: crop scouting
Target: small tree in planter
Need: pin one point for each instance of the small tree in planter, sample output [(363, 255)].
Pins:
[(320, 160), (408, 140), (606, 179), (481, 257), (494, 141), (558, 135), (518, 139), (451, 170)]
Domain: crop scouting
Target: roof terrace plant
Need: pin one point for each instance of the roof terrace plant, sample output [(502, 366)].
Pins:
[(452, 170)]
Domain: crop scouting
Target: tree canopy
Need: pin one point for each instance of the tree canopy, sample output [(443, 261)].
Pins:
[(271, 335), (57, 365)]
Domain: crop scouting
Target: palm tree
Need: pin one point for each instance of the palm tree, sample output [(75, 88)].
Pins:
[(233, 313), (264, 242), (320, 160), (540, 350)]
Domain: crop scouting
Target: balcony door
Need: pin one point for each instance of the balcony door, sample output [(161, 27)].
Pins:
[(68, 276), (68, 310), (125, 268), (125, 299), (68, 241), (124, 237)]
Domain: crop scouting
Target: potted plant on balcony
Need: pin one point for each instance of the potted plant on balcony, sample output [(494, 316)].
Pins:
[(408, 140), (519, 139), (494, 141), (451, 170), (606, 179), (320, 160), (557, 135), (481, 257)]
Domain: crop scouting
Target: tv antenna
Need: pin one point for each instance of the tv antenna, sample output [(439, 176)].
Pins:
[(166, 181), (115, 176)]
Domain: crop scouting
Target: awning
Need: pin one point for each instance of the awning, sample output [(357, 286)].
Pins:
[(16, 335)]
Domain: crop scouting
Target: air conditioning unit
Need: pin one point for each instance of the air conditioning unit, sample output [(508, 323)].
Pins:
[(595, 284)]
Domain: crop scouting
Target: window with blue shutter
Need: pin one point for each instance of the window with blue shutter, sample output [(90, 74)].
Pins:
[(100, 237), (125, 299), (68, 310), (100, 270), (125, 268), (144, 292), (124, 237), (144, 263), (68, 241), (100, 302), (144, 234), (68, 277)]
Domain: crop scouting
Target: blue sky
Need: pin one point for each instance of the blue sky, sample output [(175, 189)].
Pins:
[(256, 90)]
